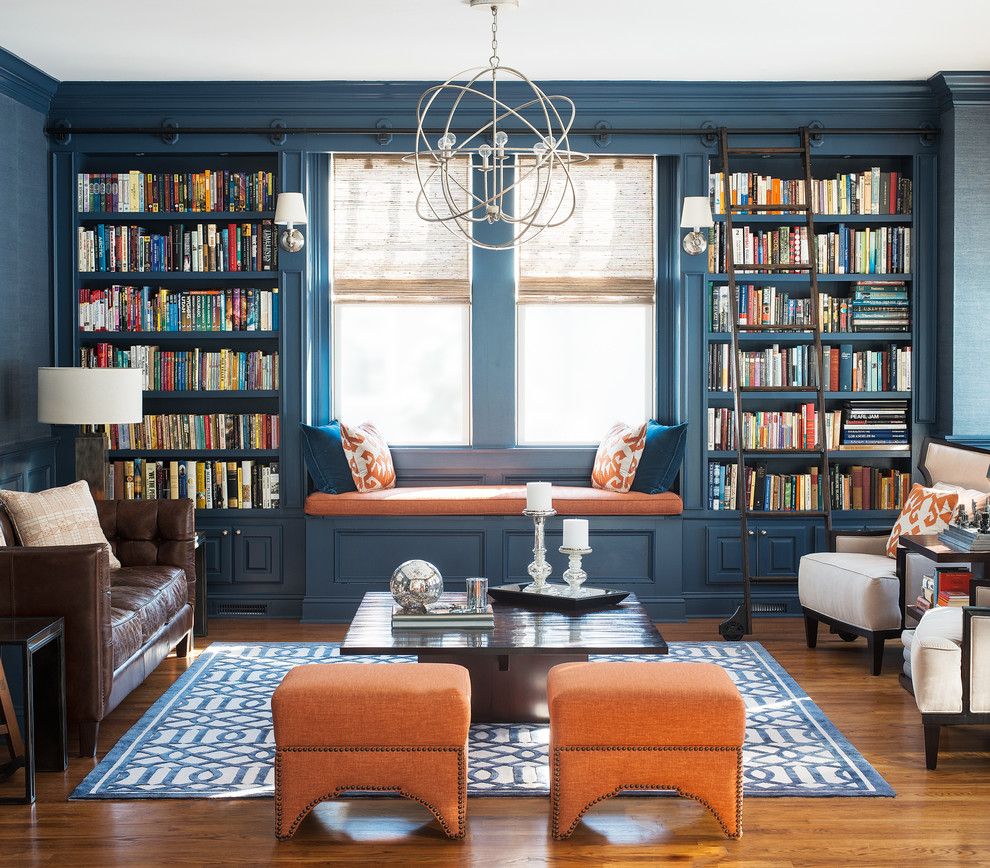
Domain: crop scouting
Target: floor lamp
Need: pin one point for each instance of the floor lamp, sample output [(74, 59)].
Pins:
[(90, 396)]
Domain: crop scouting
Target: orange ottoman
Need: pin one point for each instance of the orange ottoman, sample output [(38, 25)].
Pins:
[(392, 727), (644, 726)]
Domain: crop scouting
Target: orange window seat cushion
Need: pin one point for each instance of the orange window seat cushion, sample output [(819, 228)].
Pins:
[(489, 500)]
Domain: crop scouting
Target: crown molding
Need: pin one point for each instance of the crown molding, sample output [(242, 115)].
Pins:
[(25, 83), (960, 88), (621, 103)]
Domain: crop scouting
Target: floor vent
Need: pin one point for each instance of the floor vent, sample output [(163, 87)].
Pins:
[(241, 609), (769, 608)]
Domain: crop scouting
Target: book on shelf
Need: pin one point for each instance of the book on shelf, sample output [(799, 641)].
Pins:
[(922, 603), (766, 491), (177, 431), (856, 487), (218, 484), (190, 370), (875, 425), (880, 307), (965, 539), (764, 429), (869, 250), (845, 370), (951, 586), (444, 616), (871, 191), (175, 192), (109, 247), (150, 309)]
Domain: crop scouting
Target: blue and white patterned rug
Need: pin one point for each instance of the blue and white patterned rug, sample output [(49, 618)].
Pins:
[(210, 734)]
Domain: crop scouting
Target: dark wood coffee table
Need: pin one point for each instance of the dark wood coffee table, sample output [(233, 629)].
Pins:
[(508, 665)]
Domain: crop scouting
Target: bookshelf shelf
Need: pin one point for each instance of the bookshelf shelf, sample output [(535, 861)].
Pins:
[(820, 219), (802, 337), (172, 216), (180, 454), (199, 276), (798, 395), (833, 454), (743, 277), (174, 337), (212, 394)]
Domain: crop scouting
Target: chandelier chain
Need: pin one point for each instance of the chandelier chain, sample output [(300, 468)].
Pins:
[(494, 59)]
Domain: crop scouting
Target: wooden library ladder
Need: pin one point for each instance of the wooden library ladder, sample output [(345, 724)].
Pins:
[(740, 622)]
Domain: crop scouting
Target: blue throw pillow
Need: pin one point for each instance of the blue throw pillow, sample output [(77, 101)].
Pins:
[(325, 458), (662, 457)]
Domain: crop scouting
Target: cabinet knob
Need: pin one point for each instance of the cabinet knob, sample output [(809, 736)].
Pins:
[(237, 532), (751, 532), (763, 533), (225, 533)]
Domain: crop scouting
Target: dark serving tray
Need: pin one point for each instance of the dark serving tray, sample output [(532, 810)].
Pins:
[(514, 595)]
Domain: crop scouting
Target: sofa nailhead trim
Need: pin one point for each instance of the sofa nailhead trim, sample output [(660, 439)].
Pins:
[(737, 833), (461, 790)]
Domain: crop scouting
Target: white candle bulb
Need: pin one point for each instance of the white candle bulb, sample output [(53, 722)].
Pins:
[(538, 496), (575, 533)]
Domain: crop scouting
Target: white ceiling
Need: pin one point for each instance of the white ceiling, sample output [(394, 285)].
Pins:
[(433, 39)]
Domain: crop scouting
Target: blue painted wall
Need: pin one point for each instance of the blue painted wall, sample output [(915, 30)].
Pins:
[(25, 261)]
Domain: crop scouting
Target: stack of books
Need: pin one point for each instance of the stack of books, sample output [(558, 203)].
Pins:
[(880, 306), (947, 586), (444, 617), (875, 425), (965, 539)]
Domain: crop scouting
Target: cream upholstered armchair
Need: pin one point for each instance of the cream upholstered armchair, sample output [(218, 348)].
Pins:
[(947, 666), (855, 588)]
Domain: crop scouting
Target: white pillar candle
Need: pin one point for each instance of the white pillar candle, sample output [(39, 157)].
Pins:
[(538, 496), (575, 533)]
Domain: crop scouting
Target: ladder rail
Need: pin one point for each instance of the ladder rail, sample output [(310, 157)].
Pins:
[(741, 623)]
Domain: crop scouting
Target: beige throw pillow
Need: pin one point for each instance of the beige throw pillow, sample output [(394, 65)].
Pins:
[(57, 517)]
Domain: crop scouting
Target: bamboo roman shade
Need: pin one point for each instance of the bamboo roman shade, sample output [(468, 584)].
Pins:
[(382, 250), (605, 253)]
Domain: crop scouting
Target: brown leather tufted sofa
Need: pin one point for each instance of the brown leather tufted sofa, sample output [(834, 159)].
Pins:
[(119, 624)]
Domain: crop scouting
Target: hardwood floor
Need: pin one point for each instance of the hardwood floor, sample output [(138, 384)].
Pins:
[(938, 817)]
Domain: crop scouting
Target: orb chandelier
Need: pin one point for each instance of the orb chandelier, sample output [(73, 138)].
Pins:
[(519, 154)]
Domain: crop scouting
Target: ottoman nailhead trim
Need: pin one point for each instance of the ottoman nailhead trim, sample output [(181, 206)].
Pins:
[(560, 835), (461, 791)]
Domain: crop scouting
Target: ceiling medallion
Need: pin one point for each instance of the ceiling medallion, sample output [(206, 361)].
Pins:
[(519, 152)]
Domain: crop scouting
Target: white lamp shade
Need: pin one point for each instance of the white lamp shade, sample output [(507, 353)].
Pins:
[(697, 213), (90, 396), (290, 208)]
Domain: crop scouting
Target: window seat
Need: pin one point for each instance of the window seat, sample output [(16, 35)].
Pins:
[(489, 500)]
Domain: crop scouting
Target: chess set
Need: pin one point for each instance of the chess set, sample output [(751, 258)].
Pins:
[(969, 530)]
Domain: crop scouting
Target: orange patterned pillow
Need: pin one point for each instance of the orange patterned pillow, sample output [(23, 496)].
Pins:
[(926, 510), (618, 457), (368, 456)]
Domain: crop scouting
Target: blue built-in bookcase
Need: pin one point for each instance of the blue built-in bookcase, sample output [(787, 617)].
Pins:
[(256, 561)]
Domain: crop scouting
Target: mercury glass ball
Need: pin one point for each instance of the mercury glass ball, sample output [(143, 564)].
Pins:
[(415, 585)]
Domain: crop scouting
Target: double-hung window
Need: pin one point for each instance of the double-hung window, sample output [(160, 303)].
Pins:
[(401, 307), (585, 315)]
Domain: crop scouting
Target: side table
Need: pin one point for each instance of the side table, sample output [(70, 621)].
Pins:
[(928, 546), (41, 644)]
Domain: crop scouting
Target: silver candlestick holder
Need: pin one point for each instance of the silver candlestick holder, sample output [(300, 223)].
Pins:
[(574, 575), (539, 570)]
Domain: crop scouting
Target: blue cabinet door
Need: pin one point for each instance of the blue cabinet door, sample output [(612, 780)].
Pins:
[(257, 554), (219, 555), (780, 545)]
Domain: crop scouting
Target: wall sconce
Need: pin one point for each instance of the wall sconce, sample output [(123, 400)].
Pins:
[(290, 209), (697, 214)]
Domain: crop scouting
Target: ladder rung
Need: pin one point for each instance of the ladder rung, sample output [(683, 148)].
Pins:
[(785, 513), (777, 208), (785, 150), (771, 266), (782, 451), (807, 390), (768, 328)]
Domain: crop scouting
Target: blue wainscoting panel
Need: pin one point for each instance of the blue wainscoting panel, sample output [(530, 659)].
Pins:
[(28, 466)]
